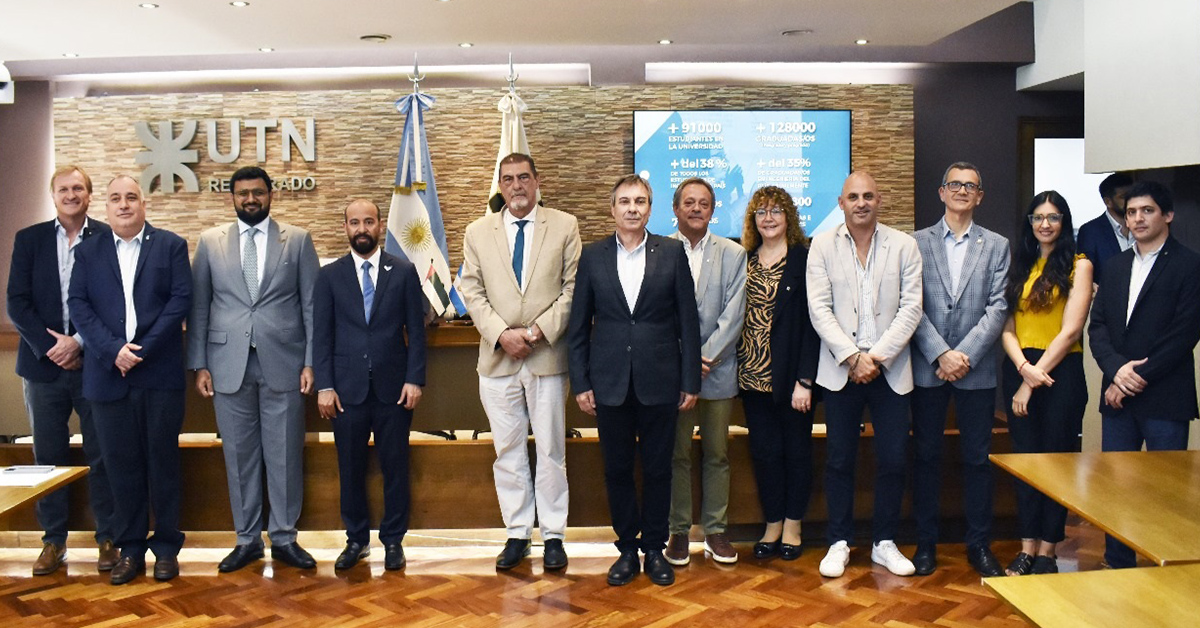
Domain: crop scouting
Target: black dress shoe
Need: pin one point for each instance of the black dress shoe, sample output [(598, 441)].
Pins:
[(241, 556), (925, 560), (127, 569), (626, 568), (393, 557), (515, 550), (353, 553), (166, 568), (659, 570), (766, 550), (293, 555), (553, 555), (789, 552), (984, 561)]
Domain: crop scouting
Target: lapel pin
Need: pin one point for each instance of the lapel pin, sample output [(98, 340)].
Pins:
[(387, 267)]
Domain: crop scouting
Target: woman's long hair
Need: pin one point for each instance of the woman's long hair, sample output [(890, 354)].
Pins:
[(1055, 281)]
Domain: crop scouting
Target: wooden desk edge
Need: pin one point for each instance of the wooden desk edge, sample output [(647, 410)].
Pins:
[(49, 486), (989, 584)]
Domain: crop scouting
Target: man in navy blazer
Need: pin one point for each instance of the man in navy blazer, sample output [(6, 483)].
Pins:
[(634, 358), (1145, 325), (1106, 235), (369, 377), (49, 359), (129, 295)]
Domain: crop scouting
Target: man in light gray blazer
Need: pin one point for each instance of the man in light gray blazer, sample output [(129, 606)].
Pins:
[(955, 353), (863, 266), (250, 343), (718, 268)]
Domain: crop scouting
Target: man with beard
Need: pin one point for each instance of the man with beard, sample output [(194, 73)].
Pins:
[(250, 344), (365, 306)]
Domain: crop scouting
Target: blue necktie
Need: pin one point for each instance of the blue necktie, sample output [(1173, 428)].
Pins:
[(368, 290), (519, 250)]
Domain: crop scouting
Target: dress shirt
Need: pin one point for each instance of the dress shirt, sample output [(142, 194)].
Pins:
[(865, 334), (127, 259), (260, 243), (695, 255), (1124, 241), (66, 263), (956, 252), (374, 270), (510, 229), (1137, 276), (631, 269)]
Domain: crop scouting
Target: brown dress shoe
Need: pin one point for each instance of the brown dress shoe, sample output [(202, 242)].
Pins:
[(51, 558), (677, 550), (717, 545), (166, 568), (126, 569), (109, 555)]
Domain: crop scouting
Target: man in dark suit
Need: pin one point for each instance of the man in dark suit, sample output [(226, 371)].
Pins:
[(634, 338), (129, 295), (49, 360), (1106, 235), (1145, 324), (364, 306)]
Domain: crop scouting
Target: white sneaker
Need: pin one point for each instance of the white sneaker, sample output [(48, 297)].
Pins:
[(835, 561), (886, 554)]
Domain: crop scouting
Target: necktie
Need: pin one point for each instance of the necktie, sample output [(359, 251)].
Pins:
[(250, 263), (368, 290), (519, 250)]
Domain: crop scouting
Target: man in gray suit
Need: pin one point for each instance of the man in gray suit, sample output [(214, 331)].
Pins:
[(250, 343), (719, 274), (955, 355)]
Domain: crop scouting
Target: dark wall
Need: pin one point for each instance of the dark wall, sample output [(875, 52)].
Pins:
[(972, 112)]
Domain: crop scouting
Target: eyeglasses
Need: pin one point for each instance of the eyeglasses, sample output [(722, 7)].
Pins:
[(955, 186), (774, 211), (1054, 219)]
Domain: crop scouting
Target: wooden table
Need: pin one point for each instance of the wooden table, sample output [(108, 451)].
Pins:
[(1120, 598), (1148, 500), (14, 496)]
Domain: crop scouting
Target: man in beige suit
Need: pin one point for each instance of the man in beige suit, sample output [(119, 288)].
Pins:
[(518, 281), (863, 266)]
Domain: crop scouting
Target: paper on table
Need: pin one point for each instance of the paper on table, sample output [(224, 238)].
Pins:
[(29, 479)]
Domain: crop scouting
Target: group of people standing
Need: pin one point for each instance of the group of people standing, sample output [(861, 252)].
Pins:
[(654, 335)]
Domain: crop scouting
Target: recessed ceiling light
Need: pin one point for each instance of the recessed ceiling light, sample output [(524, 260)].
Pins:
[(861, 42), (466, 44), (239, 4), (665, 42), (148, 5), (443, 0), (375, 39), (70, 55), (266, 49), (797, 32)]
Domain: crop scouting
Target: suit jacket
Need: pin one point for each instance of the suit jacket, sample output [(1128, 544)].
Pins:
[(795, 346), (1097, 241), (495, 302), (223, 317), (656, 346), (1164, 327), (162, 295), (970, 320), (351, 355), (721, 301), (35, 296), (833, 304)]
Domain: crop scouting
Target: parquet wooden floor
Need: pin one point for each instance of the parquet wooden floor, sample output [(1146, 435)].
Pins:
[(459, 587)]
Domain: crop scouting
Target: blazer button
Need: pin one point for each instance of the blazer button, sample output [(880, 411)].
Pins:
[(247, 334), (628, 349), (633, 322)]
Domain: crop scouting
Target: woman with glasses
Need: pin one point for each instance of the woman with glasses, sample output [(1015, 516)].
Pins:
[(1049, 293), (777, 362)]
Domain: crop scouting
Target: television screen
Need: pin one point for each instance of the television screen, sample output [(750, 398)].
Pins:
[(806, 153)]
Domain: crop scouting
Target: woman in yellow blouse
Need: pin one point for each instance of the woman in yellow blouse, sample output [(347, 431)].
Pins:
[(1049, 293)]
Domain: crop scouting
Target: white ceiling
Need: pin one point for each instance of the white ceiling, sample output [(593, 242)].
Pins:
[(616, 37)]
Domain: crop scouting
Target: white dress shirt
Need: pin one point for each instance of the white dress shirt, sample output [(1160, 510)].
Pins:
[(956, 252), (127, 259), (1124, 241), (66, 263), (510, 229), (631, 269), (695, 255), (373, 272), (260, 243), (864, 336), (1142, 264)]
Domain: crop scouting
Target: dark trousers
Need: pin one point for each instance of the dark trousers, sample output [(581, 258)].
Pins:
[(352, 431), (626, 431), (1122, 432), (1053, 424), (781, 450), (49, 405), (974, 412), (889, 416), (139, 435)]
